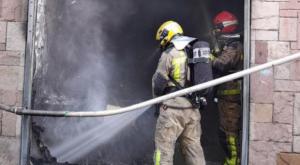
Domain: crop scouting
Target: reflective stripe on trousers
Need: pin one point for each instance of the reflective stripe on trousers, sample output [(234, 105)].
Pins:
[(157, 157), (173, 123)]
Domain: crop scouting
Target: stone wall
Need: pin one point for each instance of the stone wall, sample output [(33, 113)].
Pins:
[(275, 93), (13, 16)]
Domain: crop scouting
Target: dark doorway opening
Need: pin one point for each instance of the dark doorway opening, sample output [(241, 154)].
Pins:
[(101, 54)]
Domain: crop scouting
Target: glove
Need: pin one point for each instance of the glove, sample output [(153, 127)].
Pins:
[(199, 102), (160, 83), (203, 102)]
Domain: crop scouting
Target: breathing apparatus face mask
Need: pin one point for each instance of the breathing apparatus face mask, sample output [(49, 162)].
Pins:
[(221, 42), (221, 39), (215, 33)]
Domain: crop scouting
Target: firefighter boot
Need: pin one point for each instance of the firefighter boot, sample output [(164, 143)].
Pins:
[(232, 146)]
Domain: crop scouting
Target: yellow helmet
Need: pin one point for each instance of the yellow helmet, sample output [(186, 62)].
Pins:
[(167, 31)]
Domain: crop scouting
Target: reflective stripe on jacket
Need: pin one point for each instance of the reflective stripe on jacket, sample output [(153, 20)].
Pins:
[(229, 92)]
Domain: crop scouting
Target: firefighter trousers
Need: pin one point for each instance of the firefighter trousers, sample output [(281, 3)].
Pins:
[(230, 113), (178, 120)]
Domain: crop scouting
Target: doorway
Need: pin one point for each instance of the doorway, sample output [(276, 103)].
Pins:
[(101, 54)]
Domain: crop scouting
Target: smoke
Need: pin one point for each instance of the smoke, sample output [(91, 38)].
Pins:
[(80, 72), (100, 53)]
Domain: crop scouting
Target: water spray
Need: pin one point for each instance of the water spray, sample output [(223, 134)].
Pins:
[(81, 145), (51, 113)]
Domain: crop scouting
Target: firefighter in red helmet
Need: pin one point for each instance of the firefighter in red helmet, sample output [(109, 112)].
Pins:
[(228, 58)]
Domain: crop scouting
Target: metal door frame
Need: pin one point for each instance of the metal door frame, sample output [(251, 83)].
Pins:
[(27, 85), (246, 84)]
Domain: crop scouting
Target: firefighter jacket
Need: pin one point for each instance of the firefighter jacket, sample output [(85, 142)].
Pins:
[(229, 61), (172, 65)]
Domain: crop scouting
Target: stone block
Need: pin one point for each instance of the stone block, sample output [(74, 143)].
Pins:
[(297, 114), (18, 126), (269, 23), (13, 10), (294, 45), (3, 32), (22, 61), (265, 153), (262, 86), (253, 35), (21, 79), (261, 112), (287, 86), (9, 151), (298, 35), (2, 47), (266, 35), (9, 122), (19, 98), (271, 132), (283, 107), (10, 58), (252, 56), (296, 144), (275, 0), (16, 36), (282, 72), (290, 5), (261, 52), (264, 9), (288, 29), (294, 51), (8, 97), (294, 70), (9, 77), (288, 159), (1, 122), (288, 13), (278, 50)]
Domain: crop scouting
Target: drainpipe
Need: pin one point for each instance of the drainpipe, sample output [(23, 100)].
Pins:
[(246, 84), (28, 70)]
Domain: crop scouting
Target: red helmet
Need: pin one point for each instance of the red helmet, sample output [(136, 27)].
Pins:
[(226, 22)]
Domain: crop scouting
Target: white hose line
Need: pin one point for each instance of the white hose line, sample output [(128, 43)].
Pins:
[(161, 98)]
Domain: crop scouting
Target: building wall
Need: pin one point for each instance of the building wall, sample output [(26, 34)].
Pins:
[(275, 93), (275, 97), (13, 16)]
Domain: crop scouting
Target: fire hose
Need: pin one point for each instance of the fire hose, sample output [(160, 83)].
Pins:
[(51, 113)]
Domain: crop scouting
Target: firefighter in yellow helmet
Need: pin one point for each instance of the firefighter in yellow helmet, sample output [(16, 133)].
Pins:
[(228, 59), (178, 118)]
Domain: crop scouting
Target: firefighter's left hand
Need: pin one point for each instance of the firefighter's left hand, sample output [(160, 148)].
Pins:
[(203, 101)]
